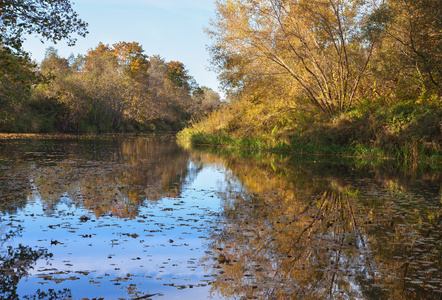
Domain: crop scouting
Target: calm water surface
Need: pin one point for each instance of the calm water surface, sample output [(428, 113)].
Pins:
[(117, 217)]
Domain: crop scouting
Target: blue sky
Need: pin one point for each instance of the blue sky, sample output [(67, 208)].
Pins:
[(171, 28)]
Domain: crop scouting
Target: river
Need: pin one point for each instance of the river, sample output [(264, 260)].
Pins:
[(140, 217)]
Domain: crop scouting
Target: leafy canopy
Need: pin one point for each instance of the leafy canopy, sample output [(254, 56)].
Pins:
[(53, 20)]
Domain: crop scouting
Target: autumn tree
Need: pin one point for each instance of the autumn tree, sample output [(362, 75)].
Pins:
[(418, 31), (206, 99), (52, 20), (118, 87), (133, 62), (318, 45), (60, 98), (410, 56), (107, 89), (86, 90), (168, 89), (53, 64), (16, 79), (131, 59), (211, 99), (178, 74)]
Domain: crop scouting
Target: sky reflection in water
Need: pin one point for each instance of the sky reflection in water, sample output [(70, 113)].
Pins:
[(124, 217)]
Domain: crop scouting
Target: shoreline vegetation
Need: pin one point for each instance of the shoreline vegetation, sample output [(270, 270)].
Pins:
[(354, 78), (407, 131)]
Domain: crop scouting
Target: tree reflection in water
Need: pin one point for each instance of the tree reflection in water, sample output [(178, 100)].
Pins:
[(110, 176), (289, 229), (306, 233), (15, 263)]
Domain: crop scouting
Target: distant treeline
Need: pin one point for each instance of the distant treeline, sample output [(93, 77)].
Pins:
[(111, 88)]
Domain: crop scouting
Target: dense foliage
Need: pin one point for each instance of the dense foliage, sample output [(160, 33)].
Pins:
[(111, 88), (357, 74)]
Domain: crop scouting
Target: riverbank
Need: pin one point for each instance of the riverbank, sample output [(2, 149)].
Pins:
[(408, 130)]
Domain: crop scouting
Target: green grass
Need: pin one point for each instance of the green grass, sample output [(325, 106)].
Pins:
[(408, 131)]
